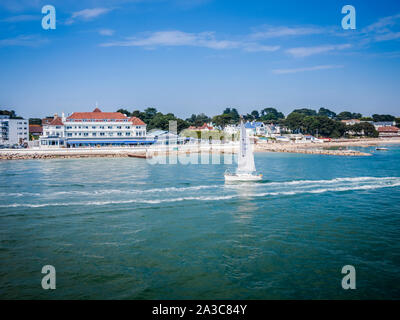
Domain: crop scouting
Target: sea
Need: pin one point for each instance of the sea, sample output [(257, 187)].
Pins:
[(128, 228)]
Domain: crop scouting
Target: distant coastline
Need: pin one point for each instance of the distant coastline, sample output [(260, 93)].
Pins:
[(147, 152)]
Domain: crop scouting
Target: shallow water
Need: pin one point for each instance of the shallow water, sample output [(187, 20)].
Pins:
[(126, 229)]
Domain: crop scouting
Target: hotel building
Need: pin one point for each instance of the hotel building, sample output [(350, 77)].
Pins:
[(91, 129), (13, 131)]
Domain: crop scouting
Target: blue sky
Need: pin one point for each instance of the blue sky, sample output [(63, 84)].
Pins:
[(199, 56)]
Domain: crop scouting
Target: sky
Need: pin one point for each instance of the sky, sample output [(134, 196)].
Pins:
[(194, 56)]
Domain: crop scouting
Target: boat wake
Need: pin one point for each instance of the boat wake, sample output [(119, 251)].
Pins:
[(207, 193)]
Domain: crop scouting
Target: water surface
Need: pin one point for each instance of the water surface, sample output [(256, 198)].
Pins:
[(126, 229)]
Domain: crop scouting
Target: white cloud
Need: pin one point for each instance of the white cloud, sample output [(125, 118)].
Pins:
[(179, 38), (382, 24), (297, 70), (87, 14), (382, 30), (388, 36), (274, 32), (302, 52), (106, 32)]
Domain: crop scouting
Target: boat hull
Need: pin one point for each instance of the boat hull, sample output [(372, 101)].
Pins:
[(243, 177)]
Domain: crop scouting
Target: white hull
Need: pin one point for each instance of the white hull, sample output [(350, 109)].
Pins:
[(243, 177)]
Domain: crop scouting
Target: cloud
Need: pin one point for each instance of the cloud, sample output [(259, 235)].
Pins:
[(21, 18), (106, 32), (388, 36), (180, 38), (382, 24), (275, 32), (302, 52), (382, 30), (87, 14), (23, 41), (297, 70)]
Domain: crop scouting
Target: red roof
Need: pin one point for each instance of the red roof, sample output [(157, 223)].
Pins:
[(97, 115), (388, 129), (35, 128), (136, 121), (56, 122), (204, 126), (46, 120)]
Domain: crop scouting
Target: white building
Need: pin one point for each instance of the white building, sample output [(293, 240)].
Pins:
[(231, 129), (255, 128), (94, 129), (13, 131)]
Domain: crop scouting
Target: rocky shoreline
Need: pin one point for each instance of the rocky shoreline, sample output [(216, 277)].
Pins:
[(305, 148)]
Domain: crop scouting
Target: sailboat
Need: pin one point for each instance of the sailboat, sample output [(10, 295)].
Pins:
[(246, 167)]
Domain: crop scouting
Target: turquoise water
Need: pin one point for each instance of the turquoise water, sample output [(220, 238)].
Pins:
[(126, 229)]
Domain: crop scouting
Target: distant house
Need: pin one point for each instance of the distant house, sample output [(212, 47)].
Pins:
[(255, 128), (231, 129), (389, 131), (272, 130), (381, 124), (47, 120), (165, 137), (350, 122), (35, 130), (204, 127)]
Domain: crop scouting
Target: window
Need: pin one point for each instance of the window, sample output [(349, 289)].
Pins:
[(119, 127), (69, 134), (120, 133), (128, 134), (86, 134), (110, 127), (101, 127), (94, 134), (93, 127), (127, 127), (102, 133)]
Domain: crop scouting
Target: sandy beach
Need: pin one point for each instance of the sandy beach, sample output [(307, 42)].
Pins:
[(340, 147)]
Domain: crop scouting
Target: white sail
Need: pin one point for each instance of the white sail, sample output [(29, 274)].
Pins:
[(245, 156)]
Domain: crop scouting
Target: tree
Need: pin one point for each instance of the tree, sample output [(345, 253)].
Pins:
[(363, 128), (305, 111), (125, 112), (198, 120), (326, 112), (36, 121), (222, 120), (383, 117), (322, 125), (347, 115), (255, 114), (271, 114), (294, 120), (366, 119), (10, 113), (233, 113)]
